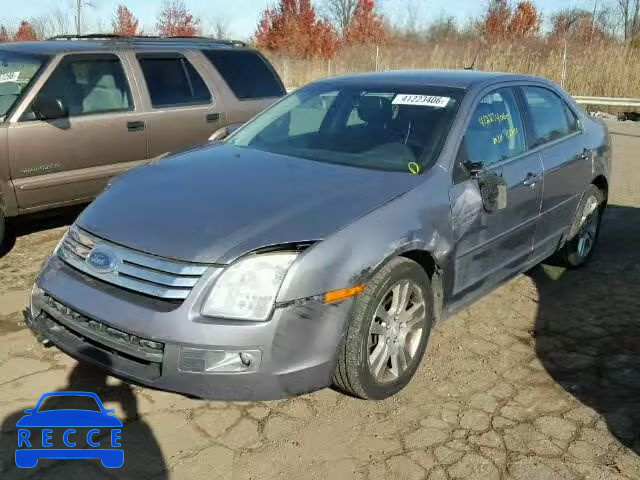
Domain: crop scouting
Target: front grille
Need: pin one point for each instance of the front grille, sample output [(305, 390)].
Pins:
[(127, 344), (147, 274)]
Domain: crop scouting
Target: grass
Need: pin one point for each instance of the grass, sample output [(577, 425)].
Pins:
[(596, 68)]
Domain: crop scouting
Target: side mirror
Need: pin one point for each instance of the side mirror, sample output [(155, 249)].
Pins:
[(474, 168), (49, 108), (29, 411), (224, 132)]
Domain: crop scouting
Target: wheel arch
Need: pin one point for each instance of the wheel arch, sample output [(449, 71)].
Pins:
[(603, 184), (434, 271)]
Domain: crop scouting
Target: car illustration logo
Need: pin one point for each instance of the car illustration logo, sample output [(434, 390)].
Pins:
[(91, 433), (102, 260)]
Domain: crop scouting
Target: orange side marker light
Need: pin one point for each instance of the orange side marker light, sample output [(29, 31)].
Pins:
[(342, 294)]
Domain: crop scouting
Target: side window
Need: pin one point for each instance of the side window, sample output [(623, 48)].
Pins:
[(173, 81), (247, 73), (552, 119), (495, 132), (90, 85)]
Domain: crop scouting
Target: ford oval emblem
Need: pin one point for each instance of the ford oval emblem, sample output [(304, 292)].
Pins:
[(102, 260)]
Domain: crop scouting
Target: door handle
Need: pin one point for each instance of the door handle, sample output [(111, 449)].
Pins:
[(531, 179), (137, 126), (213, 117)]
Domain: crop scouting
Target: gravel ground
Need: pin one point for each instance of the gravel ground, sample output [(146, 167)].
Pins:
[(540, 380)]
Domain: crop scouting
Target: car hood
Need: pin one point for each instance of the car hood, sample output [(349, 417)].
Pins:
[(216, 203), (69, 418)]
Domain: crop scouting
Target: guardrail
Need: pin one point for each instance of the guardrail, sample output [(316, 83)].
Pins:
[(609, 101)]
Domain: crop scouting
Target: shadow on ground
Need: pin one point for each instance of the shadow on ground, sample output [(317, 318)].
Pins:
[(37, 222), (142, 455), (588, 326)]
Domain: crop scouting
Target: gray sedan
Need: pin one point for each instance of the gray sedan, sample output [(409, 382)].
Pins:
[(321, 242)]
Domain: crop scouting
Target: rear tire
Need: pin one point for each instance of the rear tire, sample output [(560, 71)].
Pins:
[(584, 231), (388, 332)]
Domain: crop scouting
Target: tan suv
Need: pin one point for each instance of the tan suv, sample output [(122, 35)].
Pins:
[(75, 111)]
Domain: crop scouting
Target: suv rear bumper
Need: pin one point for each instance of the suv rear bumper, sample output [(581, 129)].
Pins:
[(297, 345)]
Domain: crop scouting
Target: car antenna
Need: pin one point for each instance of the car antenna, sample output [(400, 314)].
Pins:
[(473, 63)]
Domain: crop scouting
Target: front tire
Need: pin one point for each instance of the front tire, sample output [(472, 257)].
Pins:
[(584, 231), (388, 332)]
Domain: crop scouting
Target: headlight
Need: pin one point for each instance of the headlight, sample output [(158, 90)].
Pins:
[(247, 289), (36, 293)]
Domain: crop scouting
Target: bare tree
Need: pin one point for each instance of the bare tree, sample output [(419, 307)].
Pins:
[(60, 20), (413, 12), (629, 12), (340, 13), (220, 27)]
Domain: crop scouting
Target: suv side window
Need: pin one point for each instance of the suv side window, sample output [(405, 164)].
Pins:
[(172, 81), (247, 73), (552, 118), (495, 132), (90, 85)]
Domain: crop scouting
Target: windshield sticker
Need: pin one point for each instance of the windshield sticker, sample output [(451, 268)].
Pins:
[(9, 77), (491, 118), (421, 100), (414, 168), (506, 134)]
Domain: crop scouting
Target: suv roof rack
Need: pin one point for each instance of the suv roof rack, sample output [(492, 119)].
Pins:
[(145, 39)]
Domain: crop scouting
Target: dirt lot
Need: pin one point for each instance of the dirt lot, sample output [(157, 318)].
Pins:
[(539, 381)]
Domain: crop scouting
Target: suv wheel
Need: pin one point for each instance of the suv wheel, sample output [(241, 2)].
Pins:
[(584, 230), (388, 332)]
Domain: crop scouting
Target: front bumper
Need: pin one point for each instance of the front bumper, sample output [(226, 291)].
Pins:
[(298, 344)]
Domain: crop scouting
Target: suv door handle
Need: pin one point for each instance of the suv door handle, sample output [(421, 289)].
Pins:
[(531, 179), (137, 126), (213, 117)]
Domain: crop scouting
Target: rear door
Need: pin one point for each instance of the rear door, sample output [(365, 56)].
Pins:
[(249, 82), (491, 247), (182, 105), (556, 133), (71, 159)]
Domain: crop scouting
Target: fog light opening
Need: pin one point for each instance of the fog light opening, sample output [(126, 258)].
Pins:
[(196, 360)]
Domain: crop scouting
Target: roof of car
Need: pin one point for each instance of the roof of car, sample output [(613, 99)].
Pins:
[(74, 43), (446, 78)]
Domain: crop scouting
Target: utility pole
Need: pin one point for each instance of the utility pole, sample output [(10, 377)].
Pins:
[(78, 7), (78, 17)]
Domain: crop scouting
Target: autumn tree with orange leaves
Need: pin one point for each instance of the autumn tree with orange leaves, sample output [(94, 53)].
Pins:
[(293, 27), (366, 25), (176, 20), (124, 23), (504, 22), (25, 33)]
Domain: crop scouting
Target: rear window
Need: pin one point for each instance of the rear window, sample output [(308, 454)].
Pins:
[(173, 81), (247, 73)]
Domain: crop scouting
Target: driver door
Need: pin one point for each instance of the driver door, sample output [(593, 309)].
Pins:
[(492, 246), (70, 159)]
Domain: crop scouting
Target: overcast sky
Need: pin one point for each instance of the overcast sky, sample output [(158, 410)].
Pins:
[(241, 16)]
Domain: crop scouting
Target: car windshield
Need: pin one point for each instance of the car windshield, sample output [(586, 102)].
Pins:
[(16, 72), (379, 127), (69, 402)]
